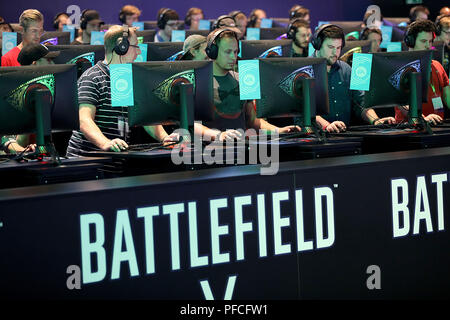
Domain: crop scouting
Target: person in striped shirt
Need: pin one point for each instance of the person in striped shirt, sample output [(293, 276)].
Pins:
[(102, 126)]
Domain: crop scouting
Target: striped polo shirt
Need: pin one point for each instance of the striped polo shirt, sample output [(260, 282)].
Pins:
[(94, 88)]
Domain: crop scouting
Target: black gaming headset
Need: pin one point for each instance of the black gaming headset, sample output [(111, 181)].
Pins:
[(212, 49), (292, 30), (161, 23), (438, 23), (410, 37), (219, 19), (252, 18), (83, 22), (123, 44), (235, 13), (317, 40), (56, 19)]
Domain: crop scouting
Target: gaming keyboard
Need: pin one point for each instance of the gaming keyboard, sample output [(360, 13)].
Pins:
[(384, 126)]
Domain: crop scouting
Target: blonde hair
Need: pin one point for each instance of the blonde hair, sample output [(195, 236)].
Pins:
[(113, 35), (130, 10), (28, 16)]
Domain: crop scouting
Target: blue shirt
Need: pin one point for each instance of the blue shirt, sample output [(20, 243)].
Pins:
[(342, 100)]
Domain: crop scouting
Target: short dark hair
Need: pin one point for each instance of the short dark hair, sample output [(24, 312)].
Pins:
[(332, 32), (300, 13), (421, 26), (226, 34), (415, 10), (300, 23)]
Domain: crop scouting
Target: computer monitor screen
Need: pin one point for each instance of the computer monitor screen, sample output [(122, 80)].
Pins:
[(146, 36), (389, 80), (355, 46), (164, 51), (265, 48), (282, 81), (55, 37), (84, 56), (17, 108), (157, 94), (148, 25), (271, 33), (200, 32), (348, 26), (280, 22)]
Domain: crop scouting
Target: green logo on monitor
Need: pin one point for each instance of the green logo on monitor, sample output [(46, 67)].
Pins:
[(288, 84), (17, 97), (89, 56), (396, 77), (164, 90)]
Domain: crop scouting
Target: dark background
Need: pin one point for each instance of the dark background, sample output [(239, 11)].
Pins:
[(320, 10)]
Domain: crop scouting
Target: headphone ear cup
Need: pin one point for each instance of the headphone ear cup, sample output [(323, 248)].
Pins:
[(212, 51), (122, 17), (122, 47)]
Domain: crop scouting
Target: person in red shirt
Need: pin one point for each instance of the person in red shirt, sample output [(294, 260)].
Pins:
[(32, 22), (423, 33)]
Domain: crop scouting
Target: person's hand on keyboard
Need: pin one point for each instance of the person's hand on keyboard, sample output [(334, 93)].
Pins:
[(288, 129), (171, 138), (433, 119), (336, 126), (386, 120), (229, 135), (115, 145)]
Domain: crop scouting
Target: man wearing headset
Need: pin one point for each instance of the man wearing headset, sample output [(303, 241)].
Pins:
[(230, 113), (90, 21), (32, 22), (418, 13), (194, 48), (167, 21), (328, 40), (129, 14), (255, 18), (298, 11), (103, 127), (300, 32), (193, 17), (60, 20), (375, 36), (420, 36)]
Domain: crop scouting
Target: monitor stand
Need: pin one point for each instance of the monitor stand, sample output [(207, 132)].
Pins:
[(415, 103), (44, 144), (309, 105)]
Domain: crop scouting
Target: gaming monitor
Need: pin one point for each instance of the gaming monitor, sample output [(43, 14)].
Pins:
[(283, 82), (438, 51), (348, 26), (56, 37), (164, 51), (146, 36), (271, 33), (38, 99), (251, 49), (84, 56), (200, 32), (157, 97), (391, 82)]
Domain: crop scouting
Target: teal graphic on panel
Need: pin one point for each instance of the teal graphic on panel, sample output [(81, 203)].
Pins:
[(143, 56), (361, 71), (387, 36), (9, 41), (253, 33), (204, 25), (394, 47), (266, 23), (249, 82), (97, 38), (121, 85), (138, 25), (178, 35)]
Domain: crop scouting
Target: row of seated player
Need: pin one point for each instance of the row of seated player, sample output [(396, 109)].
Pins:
[(229, 111)]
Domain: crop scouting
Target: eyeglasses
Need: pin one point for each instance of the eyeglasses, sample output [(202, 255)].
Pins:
[(134, 46), (38, 32)]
